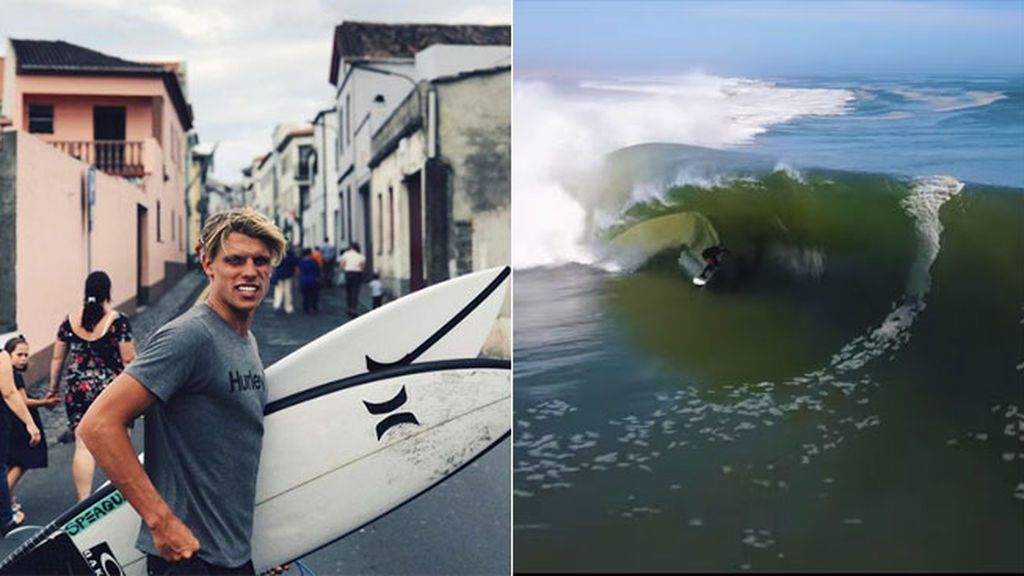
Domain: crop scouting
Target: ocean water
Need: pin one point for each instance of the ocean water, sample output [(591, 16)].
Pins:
[(847, 395)]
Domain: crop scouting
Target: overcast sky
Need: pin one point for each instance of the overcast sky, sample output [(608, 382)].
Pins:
[(760, 38), (252, 64)]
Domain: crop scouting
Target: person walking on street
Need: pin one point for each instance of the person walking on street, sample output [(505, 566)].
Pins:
[(314, 252), (21, 454), (16, 405), (330, 254), (352, 264), (201, 385), (309, 282), (99, 341), (282, 280), (376, 291)]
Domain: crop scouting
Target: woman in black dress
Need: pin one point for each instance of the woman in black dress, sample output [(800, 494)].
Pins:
[(21, 456), (98, 341), (14, 401)]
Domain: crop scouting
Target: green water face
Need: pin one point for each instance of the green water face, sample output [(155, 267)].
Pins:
[(777, 321)]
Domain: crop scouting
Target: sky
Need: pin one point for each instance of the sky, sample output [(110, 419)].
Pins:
[(760, 38), (252, 64)]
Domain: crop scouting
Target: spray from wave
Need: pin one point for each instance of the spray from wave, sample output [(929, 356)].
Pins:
[(563, 133)]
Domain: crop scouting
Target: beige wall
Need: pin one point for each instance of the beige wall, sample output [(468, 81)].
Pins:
[(72, 115), (77, 86), (474, 125), (76, 95), (474, 129), (52, 243), (392, 259), (52, 247), (10, 105), (194, 193)]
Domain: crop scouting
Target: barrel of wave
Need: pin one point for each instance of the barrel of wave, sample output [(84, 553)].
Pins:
[(689, 232)]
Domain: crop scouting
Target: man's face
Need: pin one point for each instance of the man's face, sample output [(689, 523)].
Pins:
[(239, 273)]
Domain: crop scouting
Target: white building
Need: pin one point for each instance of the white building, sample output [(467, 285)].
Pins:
[(325, 202), (261, 180), (373, 68), (291, 165), (441, 186)]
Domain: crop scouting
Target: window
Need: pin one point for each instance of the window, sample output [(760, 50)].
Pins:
[(307, 163), (341, 130), (391, 220), (348, 118), (379, 240), (341, 204), (40, 119), (159, 238), (174, 226), (348, 213)]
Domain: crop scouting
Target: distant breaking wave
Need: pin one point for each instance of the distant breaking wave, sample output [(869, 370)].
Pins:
[(563, 133), (945, 103)]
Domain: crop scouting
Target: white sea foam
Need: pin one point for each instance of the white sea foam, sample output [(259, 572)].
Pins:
[(562, 136), (922, 203)]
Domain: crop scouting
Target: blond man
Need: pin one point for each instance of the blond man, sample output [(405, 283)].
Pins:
[(201, 385)]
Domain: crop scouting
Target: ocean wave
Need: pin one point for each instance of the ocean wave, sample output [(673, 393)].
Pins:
[(950, 103), (790, 171), (923, 202), (639, 441), (562, 136)]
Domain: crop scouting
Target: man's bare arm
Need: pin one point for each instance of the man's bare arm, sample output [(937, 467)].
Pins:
[(104, 429)]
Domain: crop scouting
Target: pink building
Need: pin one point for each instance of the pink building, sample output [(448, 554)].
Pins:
[(69, 108)]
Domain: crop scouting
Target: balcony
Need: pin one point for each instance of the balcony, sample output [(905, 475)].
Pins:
[(115, 157)]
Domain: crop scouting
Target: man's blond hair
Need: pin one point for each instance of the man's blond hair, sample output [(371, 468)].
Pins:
[(244, 221)]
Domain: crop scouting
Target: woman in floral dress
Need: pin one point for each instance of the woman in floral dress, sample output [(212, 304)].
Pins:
[(97, 341)]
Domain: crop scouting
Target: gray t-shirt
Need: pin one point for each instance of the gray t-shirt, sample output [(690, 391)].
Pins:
[(204, 436)]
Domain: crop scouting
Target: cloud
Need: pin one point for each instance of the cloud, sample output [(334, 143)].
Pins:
[(251, 63), (197, 25)]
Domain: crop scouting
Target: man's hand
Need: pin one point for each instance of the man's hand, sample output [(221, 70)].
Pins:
[(173, 540)]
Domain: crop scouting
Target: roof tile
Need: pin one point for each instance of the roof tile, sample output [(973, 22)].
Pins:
[(60, 56)]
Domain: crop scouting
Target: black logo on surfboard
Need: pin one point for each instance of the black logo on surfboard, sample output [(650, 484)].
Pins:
[(102, 562), (388, 407)]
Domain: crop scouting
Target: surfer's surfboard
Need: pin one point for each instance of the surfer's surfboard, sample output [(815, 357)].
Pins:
[(358, 422)]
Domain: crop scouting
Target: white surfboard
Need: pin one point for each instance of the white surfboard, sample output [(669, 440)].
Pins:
[(370, 417)]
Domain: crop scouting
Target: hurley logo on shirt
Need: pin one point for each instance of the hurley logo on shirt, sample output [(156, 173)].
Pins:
[(243, 382)]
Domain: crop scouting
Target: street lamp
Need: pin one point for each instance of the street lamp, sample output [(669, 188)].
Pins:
[(379, 98)]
